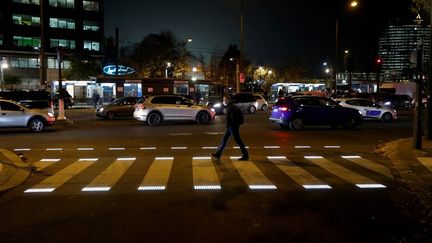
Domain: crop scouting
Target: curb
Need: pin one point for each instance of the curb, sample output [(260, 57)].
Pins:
[(12, 170), (404, 160)]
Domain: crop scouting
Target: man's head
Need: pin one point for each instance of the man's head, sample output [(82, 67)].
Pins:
[(227, 100)]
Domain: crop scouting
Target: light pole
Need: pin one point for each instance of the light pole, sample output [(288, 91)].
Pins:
[(166, 69), (3, 66), (352, 4), (194, 69)]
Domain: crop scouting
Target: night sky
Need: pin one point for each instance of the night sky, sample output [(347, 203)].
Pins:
[(276, 31)]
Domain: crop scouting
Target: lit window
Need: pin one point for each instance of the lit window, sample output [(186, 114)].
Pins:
[(90, 25), (25, 20), (62, 23), (91, 45), (26, 41), (35, 2), (90, 6), (62, 3)]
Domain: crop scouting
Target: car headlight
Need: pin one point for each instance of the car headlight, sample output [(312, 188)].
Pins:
[(50, 114), (217, 105), (101, 109), (387, 103), (359, 112)]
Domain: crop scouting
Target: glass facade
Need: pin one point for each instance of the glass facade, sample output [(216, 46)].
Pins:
[(26, 41), (70, 44), (90, 25), (91, 45), (397, 50), (62, 3), (62, 23), (25, 20), (90, 6), (36, 2)]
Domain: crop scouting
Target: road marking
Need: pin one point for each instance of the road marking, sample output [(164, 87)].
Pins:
[(342, 172), (302, 146), (178, 148), (158, 175), (54, 149), (332, 146), (214, 133), (147, 148), (381, 169), (210, 147), (180, 134), (204, 174), (58, 179), (22, 149), (110, 176), (253, 177), (117, 149), (43, 163), (298, 174), (237, 147), (85, 149), (271, 147), (426, 161)]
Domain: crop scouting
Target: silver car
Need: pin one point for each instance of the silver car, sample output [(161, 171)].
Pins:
[(13, 114), (122, 107), (261, 102), (156, 109)]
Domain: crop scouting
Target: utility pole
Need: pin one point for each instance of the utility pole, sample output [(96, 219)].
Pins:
[(418, 131), (240, 59), (61, 115), (116, 50), (428, 131), (42, 70)]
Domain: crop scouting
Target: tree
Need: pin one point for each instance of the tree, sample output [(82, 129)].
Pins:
[(150, 56), (81, 67)]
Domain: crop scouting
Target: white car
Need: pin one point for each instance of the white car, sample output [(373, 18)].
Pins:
[(369, 109), (156, 109), (262, 103)]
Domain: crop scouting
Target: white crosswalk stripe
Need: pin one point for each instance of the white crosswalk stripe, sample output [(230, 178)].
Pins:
[(253, 176), (158, 175), (105, 180), (381, 169), (43, 163), (204, 174), (426, 161)]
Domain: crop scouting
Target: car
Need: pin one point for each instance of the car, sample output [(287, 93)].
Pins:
[(369, 109), (261, 103), (14, 114), (121, 107), (299, 111), (30, 99), (396, 101), (159, 108), (245, 101), (67, 101)]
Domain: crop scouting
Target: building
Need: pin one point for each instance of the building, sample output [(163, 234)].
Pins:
[(75, 25), (398, 50)]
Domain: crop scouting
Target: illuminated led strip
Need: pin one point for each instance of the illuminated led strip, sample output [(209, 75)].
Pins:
[(313, 157), (332, 146), (370, 186), (201, 158), (50, 160), (22, 149), (271, 147), (88, 159), (209, 147), (178, 147), (317, 187), (302, 147), (96, 189), (123, 159), (235, 157), (54, 149), (237, 147), (151, 188), (208, 187), (262, 187), (85, 149), (36, 190), (117, 149), (351, 157), (276, 157), (164, 158), (148, 148)]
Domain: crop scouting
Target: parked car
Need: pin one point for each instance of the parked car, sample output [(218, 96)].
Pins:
[(369, 109), (261, 103), (298, 111), (121, 107), (13, 114), (159, 108), (246, 102), (396, 101), (216, 103), (30, 99)]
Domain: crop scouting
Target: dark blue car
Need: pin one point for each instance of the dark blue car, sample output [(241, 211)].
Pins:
[(298, 111)]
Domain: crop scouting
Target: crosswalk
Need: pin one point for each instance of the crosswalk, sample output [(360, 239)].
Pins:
[(261, 173)]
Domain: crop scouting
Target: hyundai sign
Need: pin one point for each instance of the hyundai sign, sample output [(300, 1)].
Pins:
[(122, 70)]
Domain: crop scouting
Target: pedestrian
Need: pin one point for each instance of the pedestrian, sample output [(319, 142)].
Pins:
[(96, 98), (234, 118), (197, 97)]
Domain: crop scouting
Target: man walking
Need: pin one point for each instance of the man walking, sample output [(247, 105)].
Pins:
[(234, 118)]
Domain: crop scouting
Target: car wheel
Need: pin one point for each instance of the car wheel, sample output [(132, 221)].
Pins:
[(154, 119), (351, 123), (203, 117), (110, 115), (387, 117), (252, 109), (296, 123), (37, 125), (264, 107)]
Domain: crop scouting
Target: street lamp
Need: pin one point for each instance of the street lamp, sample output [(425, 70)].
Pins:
[(3, 65), (352, 4), (194, 69)]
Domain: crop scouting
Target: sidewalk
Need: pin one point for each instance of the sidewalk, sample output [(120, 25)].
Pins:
[(413, 168), (12, 170)]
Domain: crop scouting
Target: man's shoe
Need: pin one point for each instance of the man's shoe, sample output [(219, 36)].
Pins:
[(244, 158), (215, 156)]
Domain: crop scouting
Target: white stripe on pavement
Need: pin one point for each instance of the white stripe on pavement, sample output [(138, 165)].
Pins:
[(158, 175), (204, 174), (253, 176), (43, 163), (426, 161), (381, 169)]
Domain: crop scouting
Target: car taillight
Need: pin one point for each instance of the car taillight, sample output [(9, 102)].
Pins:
[(51, 104), (284, 108)]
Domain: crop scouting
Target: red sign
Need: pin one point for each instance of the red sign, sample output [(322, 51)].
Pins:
[(242, 78)]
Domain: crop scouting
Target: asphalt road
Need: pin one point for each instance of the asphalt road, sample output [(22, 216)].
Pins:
[(121, 181)]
